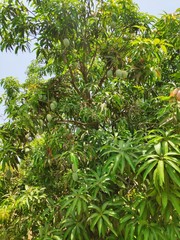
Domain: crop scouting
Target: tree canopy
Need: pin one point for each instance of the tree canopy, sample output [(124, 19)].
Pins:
[(91, 145)]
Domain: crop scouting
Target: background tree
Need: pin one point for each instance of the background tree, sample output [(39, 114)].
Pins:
[(92, 152)]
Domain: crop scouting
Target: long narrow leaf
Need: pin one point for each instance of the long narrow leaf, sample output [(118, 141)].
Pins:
[(94, 222), (160, 172), (173, 175), (125, 218), (174, 166), (130, 162), (148, 169), (109, 224), (173, 145), (99, 224), (164, 199), (145, 165), (175, 202), (158, 148)]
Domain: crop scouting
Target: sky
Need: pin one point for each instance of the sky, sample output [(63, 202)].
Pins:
[(16, 65), (157, 7)]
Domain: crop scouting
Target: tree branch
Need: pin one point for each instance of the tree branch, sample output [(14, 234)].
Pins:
[(79, 123), (73, 80)]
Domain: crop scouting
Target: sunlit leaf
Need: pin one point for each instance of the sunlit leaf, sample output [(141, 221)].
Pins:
[(160, 172), (158, 148)]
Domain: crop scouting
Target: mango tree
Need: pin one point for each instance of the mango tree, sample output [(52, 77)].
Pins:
[(91, 146)]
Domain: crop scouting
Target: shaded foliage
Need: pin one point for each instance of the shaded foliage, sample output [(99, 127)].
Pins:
[(93, 151)]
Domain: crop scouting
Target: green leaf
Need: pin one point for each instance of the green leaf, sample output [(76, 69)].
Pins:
[(128, 234), (122, 166), (125, 218), (173, 165), (94, 215), (158, 148), (99, 224), (146, 233), (73, 233), (164, 147), (74, 167), (130, 162), (160, 172), (104, 206), (79, 205), (145, 165), (93, 206), (95, 218), (110, 213), (56, 238), (72, 207), (84, 206), (109, 224), (155, 178), (75, 176), (174, 202), (164, 199), (142, 208), (148, 169), (117, 163), (156, 41), (173, 175), (74, 160), (173, 145), (163, 47), (132, 230)]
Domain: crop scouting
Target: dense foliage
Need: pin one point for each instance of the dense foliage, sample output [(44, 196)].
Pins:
[(91, 145)]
